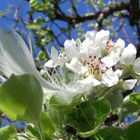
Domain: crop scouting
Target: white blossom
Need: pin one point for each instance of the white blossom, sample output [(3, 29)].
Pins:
[(128, 57), (79, 68)]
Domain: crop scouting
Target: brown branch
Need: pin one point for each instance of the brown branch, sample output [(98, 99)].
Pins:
[(105, 11)]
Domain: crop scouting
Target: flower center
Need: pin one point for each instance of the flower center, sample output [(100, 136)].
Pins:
[(95, 67), (109, 45)]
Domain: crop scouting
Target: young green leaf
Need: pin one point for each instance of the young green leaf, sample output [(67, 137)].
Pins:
[(130, 104), (88, 116), (8, 133), (115, 100), (133, 131), (32, 131), (21, 98), (110, 133), (47, 125)]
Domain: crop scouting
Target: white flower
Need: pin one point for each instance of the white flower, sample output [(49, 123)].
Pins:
[(56, 59), (72, 48), (128, 57), (96, 38), (95, 68), (15, 58), (74, 65)]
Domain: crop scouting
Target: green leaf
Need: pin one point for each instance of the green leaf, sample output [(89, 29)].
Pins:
[(21, 98), (8, 133), (133, 131), (34, 26), (135, 97), (54, 101), (110, 133), (130, 104), (42, 56), (115, 100), (32, 131), (47, 125), (56, 114), (88, 116), (33, 3)]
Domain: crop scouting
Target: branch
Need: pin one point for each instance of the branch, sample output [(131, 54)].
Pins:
[(74, 8), (105, 12)]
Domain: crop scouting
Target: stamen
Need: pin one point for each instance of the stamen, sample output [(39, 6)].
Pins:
[(108, 45), (107, 67), (94, 66)]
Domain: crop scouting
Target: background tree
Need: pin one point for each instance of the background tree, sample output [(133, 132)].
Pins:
[(52, 22)]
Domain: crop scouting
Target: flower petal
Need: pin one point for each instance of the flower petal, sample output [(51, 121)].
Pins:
[(54, 54), (118, 72), (102, 36), (109, 78), (91, 34), (50, 64), (128, 55), (90, 81), (137, 65), (74, 65), (72, 48), (129, 84), (16, 58), (119, 46), (111, 59)]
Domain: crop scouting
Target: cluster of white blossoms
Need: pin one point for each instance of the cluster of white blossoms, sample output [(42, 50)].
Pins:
[(79, 68), (98, 61)]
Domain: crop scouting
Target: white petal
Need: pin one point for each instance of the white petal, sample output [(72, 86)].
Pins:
[(50, 64), (111, 59), (91, 34), (137, 65), (74, 65), (54, 54), (128, 55), (72, 48), (61, 61), (16, 58), (102, 35), (118, 72), (129, 84), (119, 46), (109, 78), (90, 81)]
